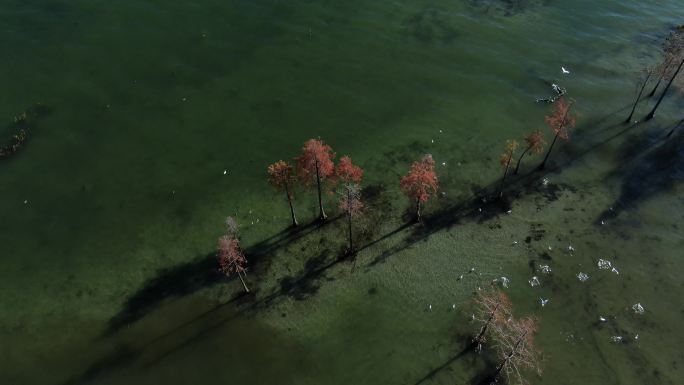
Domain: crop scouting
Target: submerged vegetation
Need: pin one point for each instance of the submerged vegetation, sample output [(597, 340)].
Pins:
[(429, 220)]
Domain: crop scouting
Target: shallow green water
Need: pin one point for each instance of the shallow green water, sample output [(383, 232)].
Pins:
[(146, 104)]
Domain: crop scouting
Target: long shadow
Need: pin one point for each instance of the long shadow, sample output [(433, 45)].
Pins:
[(190, 277), (299, 287), (484, 204), (433, 372), (658, 170), (201, 273)]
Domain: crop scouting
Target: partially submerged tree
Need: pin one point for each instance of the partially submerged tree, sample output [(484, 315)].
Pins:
[(561, 122), (350, 197), (667, 88), (514, 342), (315, 165), (673, 60), (231, 258), (648, 73), (535, 144), (491, 306), (280, 176), (505, 160), (421, 182), (350, 203), (662, 70)]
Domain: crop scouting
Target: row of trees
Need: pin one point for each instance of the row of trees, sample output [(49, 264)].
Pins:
[(668, 67), (561, 121), (315, 169), (512, 338)]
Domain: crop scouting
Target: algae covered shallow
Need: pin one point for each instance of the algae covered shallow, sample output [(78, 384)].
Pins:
[(111, 210)]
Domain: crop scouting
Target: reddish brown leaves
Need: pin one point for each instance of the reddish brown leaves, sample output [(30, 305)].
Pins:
[(350, 197), (231, 258), (279, 174), (421, 181), (316, 158), (347, 172), (561, 120), (511, 146), (535, 142)]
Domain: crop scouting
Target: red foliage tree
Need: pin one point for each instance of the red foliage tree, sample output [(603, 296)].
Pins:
[(421, 182), (535, 144), (231, 258), (315, 164), (347, 172), (505, 161), (561, 122), (280, 176), (350, 198)]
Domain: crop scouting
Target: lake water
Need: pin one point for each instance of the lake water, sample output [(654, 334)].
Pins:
[(151, 121)]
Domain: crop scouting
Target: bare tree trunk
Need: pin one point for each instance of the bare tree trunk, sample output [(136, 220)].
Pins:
[(517, 166), (629, 118), (562, 125), (243, 282), (508, 357), (652, 113), (289, 200), (483, 330), (417, 210), (349, 220), (497, 373), (660, 79), (543, 163), (503, 180), (322, 215)]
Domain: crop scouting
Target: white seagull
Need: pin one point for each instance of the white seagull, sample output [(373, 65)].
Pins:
[(564, 70)]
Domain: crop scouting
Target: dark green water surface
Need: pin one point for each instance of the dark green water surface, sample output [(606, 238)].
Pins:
[(110, 213)]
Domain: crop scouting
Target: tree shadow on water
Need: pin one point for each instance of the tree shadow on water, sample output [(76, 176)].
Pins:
[(431, 374), (201, 273), (659, 169)]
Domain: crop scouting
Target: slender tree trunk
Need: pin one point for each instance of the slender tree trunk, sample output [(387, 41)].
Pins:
[(417, 210), (349, 220), (322, 215), (243, 282), (662, 96), (497, 373), (517, 166), (483, 330), (289, 200), (629, 118), (674, 128), (508, 357), (503, 180), (543, 163), (660, 79)]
